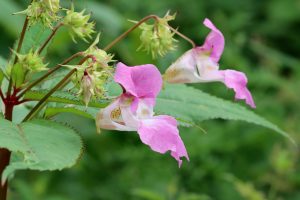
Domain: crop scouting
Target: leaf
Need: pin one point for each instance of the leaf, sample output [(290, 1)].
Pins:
[(192, 105), (50, 112), (64, 97), (44, 145)]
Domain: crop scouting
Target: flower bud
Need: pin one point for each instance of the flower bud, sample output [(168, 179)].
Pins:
[(53, 5), (86, 88), (102, 58), (44, 11), (158, 38), (32, 62), (79, 24)]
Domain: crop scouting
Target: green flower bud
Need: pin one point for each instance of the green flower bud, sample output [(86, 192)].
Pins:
[(157, 39), (44, 11), (79, 24), (53, 5), (27, 65), (32, 62), (102, 57)]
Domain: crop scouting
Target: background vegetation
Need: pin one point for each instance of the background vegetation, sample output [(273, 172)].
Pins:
[(234, 160)]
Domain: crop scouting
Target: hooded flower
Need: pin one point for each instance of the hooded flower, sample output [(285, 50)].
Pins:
[(200, 64), (133, 111)]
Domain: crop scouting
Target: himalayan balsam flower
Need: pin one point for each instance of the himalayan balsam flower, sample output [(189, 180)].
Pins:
[(133, 111), (200, 64)]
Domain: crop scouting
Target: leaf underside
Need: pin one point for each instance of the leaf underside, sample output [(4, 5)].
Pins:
[(193, 105)]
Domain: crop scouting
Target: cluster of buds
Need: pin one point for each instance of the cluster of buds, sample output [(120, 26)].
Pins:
[(79, 24), (26, 65), (158, 38), (44, 11), (94, 73)]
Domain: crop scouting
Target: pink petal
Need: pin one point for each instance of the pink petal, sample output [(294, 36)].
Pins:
[(140, 81), (162, 135), (214, 42), (238, 82)]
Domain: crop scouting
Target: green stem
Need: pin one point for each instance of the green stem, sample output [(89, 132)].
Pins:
[(51, 71), (38, 106), (55, 29)]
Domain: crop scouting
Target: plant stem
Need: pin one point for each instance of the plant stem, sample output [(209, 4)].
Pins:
[(183, 36), (1, 95), (51, 71), (156, 18), (5, 154), (118, 39), (44, 99), (22, 36), (50, 37)]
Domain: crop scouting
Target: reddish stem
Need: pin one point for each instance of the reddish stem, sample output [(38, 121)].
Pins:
[(4, 153)]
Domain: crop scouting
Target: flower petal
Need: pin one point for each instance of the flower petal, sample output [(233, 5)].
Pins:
[(139, 81), (111, 118), (214, 41), (162, 135), (238, 82), (193, 66)]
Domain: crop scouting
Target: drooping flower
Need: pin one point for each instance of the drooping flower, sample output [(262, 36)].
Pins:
[(200, 64), (133, 111)]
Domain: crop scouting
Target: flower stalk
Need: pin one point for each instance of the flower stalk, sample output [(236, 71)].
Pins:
[(54, 30)]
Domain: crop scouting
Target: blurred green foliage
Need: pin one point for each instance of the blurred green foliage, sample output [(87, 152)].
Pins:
[(233, 160)]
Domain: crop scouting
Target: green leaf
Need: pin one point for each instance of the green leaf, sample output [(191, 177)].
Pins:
[(64, 97), (18, 75), (50, 112), (192, 105), (44, 145)]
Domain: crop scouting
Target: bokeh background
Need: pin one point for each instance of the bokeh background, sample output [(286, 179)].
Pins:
[(234, 160)]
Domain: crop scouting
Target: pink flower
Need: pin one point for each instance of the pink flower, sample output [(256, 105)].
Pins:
[(133, 111), (200, 64)]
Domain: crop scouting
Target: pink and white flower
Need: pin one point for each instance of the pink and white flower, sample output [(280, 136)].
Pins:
[(200, 64), (133, 111)]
